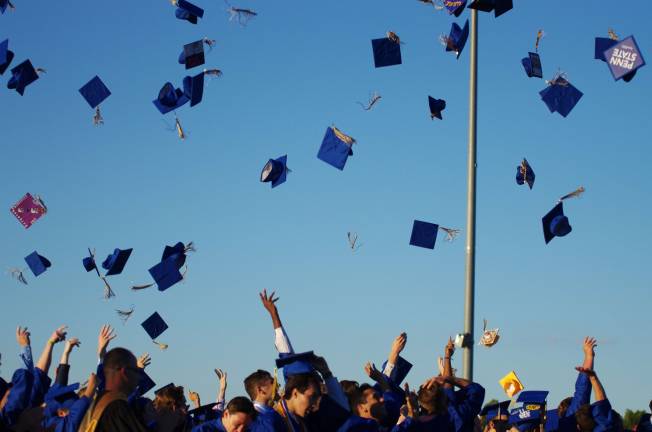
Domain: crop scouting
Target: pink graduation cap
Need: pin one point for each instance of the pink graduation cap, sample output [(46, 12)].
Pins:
[(28, 210)]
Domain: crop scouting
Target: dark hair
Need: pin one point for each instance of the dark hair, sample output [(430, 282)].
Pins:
[(301, 382), (651, 405), (241, 404), (563, 407), (349, 386), (618, 421), (254, 380), (584, 418), (432, 400), (170, 397), (118, 358)]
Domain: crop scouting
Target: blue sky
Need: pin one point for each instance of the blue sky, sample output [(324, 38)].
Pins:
[(293, 71)]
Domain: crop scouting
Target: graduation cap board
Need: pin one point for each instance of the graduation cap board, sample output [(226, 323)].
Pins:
[(167, 272), (37, 264), (400, 371), (511, 384), (188, 11), (335, 148), (6, 56), (28, 210), (498, 6), (525, 174), (455, 7), (436, 107), (21, 76), (456, 39), (115, 262), (560, 96), (62, 393), (154, 325), (95, 92), (275, 171), (387, 52), (624, 58), (193, 54), (193, 88), (532, 65), (204, 413), (145, 384), (424, 234), (497, 411), (170, 99), (555, 223), (532, 409), (296, 363)]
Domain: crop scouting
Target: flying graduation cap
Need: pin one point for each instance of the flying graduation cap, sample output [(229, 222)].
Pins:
[(187, 11), (424, 234), (555, 223), (21, 76), (193, 88), (275, 171), (95, 92), (6, 56), (525, 174), (90, 265), (37, 264), (511, 384), (193, 53), (336, 147), (456, 39), (170, 99), (168, 272), (387, 50), (560, 95), (532, 63), (28, 210), (498, 6), (154, 325), (623, 57), (115, 262), (436, 107), (455, 7)]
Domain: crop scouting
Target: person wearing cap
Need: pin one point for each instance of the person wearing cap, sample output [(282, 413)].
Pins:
[(496, 416), (65, 411), (15, 395), (238, 416), (569, 406)]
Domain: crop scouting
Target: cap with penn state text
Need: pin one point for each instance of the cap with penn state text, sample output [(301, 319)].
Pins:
[(295, 363), (498, 6), (193, 54), (387, 52), (115, 262), (496, 411), (335, 148), (624, 59), (188, 11), (170, 99), (532, 409), (560, 96), (95, 92), (193, 88), (6, 56), (532, 65), (436, 107), (555, 223), (154, 325), (455, 7), (21, 76), (424, 234), (37, 264), (456, 40), (275, 171)]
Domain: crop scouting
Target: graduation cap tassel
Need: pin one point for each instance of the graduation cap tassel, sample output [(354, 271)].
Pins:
[(343, 137), (209, 42), (394, 38), (40, 71), (162, 346), (540, 35), (213, 72), (275, 384), (11, 6), (450, 233), (39, 201), (97, 118), (141, 287), (613, 35), (125, 314), (243, 15), (372, 101), (190, 247), (437, 5), (179, 128), (108, 292), (575, 194), (17, 274)]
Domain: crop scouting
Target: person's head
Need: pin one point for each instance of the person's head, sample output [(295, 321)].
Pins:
[(368, 403), (260, 386), (238, 415), (170, 408), (302, 393), (563, 406), (498, 424), (432, 400), (584, 419), (121, 371)]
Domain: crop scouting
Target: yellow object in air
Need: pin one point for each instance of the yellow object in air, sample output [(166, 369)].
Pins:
[(511, 384)]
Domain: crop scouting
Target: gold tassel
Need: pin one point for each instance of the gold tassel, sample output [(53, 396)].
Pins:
[(342, 136), (575, 194), (97, 118), (394, 37), (162, 346), (539, 37), (613, 35), (450, 233)]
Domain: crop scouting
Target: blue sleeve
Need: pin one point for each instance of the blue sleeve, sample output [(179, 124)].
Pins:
[(77, 413), (268, 422), (19, 396), (26, 356), (604, 420), (39, 388), (209, 426), (464, 410), (582, 394), (393, 402), (407, 425)]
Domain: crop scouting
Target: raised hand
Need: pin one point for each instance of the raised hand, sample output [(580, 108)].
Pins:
[(450, 348), (269, 302), (144, 361), (59, 335), (71, 343), (581, 369), (106, 335), (397, 347), (589, 352), (194, 398), (22, 336)]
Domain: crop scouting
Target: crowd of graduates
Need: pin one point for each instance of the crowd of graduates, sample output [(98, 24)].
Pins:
[(312, 399)]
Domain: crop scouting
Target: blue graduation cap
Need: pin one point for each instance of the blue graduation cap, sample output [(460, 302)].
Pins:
[(532, 65), (204, 413), (455, 7), (170, 99), (295, 363), (89, 263), (275, 171), (37, 263), (496, 411), (436, 107), (525, 174), (166, 273), (170, 251), (115, 263), (4, 4), (21, 76), (386, 52), (424, 234), (498, 6), (555, 223), (560, 96), (335, 148), (193, 54), (400, 371), (6, 56), (154, 325), (601, 45), (62, 393), (531, 412), (193, 88), (145, 384), (95, 92), (188, 11), (457, 38), (624, 59), (552, 420)]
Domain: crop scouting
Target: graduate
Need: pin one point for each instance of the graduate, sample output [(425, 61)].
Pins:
[(238, 416), (260, 386), (569, 406)]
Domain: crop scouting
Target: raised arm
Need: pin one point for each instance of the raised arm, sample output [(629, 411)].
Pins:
[(582, 393), (63, 370), (281, 340), (194, 397), (46, 356), (23, 339), (448, 354), (397, 347), (106, 335), (334, 387), (70, 344), (221, 394), (377, 376)]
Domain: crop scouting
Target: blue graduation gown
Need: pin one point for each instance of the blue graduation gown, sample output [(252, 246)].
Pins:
[(71, 422), (40, 387), (603, 417), (581, 397), (437, 423), (268, 421), (210, 426), (359, 424), (464, 405), (19, 397)]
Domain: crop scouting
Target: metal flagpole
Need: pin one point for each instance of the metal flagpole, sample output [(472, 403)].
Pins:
[(469, 289)]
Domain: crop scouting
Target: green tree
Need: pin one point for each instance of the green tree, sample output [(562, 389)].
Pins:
[(631, 418)]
